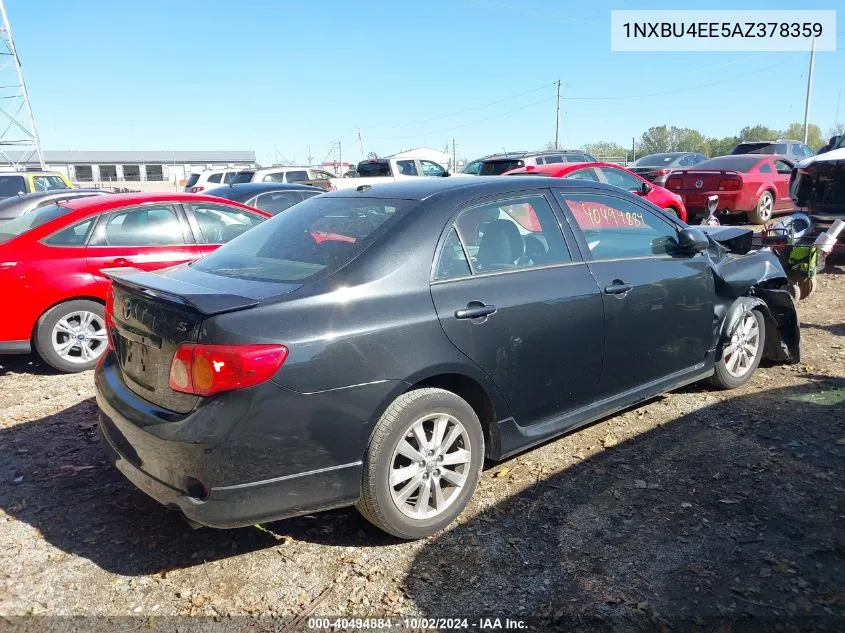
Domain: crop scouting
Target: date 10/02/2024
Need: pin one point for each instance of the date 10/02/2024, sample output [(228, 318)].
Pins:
[(416, 624)]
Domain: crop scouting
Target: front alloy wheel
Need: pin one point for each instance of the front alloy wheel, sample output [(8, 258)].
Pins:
[(741, 352), (71, 336)]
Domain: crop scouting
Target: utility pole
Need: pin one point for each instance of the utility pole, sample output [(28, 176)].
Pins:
[(557, 118), (361, 143), (310, 157), (809, 88), (14, 103), (340, 157), (454, 157), (633, 149)]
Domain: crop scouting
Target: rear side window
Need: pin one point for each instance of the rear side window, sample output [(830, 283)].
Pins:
[(215, 178), (499, 167), (297, 176), (506, 234), (452, 261), (243, 176), (149, 226), (278, 201), (618, 229), (75, 235), (375, 169), (765, 168), (12, 186), (228, 176), (308, 241), (28, 221), (278, 176), (220, 224), (579, 158)]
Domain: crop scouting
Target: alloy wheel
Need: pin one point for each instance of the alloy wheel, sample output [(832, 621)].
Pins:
[(79, 337), (429, 466), (742, 349)]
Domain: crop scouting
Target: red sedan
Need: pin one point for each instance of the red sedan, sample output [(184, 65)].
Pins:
[(51, 263), (612, 175), (755, 184)]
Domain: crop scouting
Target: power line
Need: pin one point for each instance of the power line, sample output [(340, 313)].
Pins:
[(458, 127), (678, 91), (471, 109)]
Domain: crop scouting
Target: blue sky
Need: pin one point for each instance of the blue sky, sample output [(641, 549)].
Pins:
[(280, 76)]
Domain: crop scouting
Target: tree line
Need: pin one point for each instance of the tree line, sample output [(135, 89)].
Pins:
[(669, 138)]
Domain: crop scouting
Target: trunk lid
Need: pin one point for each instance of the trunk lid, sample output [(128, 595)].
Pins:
[(154, 313), (704, 180)]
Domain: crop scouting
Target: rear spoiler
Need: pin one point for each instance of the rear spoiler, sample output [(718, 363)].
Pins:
[(204, 300)]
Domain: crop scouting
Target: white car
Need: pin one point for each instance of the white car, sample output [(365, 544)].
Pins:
[(209, 178), (299, 175), (379, 170)]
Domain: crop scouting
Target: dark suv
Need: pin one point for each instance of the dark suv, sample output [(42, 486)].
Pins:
[(795, 150)]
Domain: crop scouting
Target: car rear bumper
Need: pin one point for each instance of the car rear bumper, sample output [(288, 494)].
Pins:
[(696, 202), (224, 472)]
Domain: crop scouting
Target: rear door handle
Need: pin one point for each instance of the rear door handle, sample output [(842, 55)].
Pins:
[(617, 288), (120, 261), (475, 310)]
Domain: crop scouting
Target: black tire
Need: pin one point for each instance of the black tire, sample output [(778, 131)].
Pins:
[(722, 378), (764, 210), (44, 330), (806, 286), (376, 503)]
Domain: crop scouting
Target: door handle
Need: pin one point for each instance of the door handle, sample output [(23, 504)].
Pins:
[(617, 288), (475, 310), (120, 261)]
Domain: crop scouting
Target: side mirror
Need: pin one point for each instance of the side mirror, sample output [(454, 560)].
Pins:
[(446, 173), (646, 189), (692, 240)]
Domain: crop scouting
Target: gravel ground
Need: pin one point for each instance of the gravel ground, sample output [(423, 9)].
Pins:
[(695, 511)]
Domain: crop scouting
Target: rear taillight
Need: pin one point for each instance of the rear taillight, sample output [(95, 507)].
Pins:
[(663, 172), (204, 370), (196, 189), (674, 182), (730, 184), (109, 318)]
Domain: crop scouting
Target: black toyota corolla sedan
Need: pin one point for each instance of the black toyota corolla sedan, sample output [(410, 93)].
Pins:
[(373, 346)]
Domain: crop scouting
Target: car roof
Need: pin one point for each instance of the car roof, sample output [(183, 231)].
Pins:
[(667, 154), (116, 200), (551, 152), (421, 189), (559, 168), (54, 193), (251, 188)]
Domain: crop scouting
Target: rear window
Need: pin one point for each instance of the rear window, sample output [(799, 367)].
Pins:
[(577, 158), (23, 223), (310, 240), (655, 160), (374, 170), (243, 176), (754, 148), (12, 186), (192, 180), (740, 163), (499, 167)]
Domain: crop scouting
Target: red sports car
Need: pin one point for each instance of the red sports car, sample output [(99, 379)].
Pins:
[(612, 175), (755, 184), (51, 262)]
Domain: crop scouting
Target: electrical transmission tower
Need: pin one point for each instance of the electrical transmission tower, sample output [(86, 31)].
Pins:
[(19, 142)]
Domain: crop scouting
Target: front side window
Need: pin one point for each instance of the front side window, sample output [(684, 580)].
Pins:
[(620, 179), (243, 176), (216, 178), (472, 168), (228, 176), (499, 167), (48, 183), (549, 160), (430, 168), (75, 235), (220, 224), (308, 241), (783, 167), (276, 176), (615, 228), (154, 225), (506, 234), (406, 168), (297, 176)]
